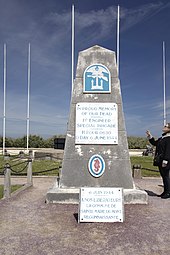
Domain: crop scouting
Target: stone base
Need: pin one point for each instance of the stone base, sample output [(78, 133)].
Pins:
[(62, 196), (135, 196), (71, 196)]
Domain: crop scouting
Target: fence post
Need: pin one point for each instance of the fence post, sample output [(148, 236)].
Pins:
[(6, 155), (7, 181), (29, 172), (58, 180), (31, 154), (21, 154), (137, 172)]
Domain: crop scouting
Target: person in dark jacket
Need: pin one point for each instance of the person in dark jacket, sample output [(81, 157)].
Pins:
[(163, 151)]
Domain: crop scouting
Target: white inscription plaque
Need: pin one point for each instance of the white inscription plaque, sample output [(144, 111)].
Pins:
[(101, 205), (96, 123)]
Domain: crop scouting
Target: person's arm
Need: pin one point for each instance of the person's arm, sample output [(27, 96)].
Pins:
[(151, 138)]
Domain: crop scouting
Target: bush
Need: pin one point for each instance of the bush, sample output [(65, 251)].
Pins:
[(36, 141), (137, 142)]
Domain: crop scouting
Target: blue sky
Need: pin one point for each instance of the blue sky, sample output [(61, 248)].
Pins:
[(46, 24)]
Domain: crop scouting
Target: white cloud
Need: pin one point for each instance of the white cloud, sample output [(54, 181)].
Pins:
[(99, 24), (45, 119), (131, 17), (50, 37), (51, 33)]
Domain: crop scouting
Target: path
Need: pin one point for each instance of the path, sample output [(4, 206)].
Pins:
[(29, 226)]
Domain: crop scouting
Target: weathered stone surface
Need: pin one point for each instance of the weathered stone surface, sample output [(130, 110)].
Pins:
[(118, 169), (110, 178), (71, 196), (75, 173), (96, 54)]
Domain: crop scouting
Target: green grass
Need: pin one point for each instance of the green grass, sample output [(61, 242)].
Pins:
[(13, 188), (37, 166), (145, 162), (41, 165)]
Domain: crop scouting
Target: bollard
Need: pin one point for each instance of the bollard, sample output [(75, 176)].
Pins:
[(31, 154), (7, 181), (29, 172), (137, 172), (58, 180), (21, 154), (6, 155)]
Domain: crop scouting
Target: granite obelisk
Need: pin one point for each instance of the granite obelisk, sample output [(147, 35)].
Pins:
[(96, 151)]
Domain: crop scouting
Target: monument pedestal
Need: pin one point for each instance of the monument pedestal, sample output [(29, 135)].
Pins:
[(96, 151), (71, 196)]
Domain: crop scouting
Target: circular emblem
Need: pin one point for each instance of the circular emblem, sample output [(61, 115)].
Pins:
[(96, 165)]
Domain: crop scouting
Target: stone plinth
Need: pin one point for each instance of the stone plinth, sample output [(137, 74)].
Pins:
[(96, 68)]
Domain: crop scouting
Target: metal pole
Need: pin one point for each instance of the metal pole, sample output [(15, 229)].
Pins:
[(72, 71), (4, 113), (28, 99), (164, 85), (118, 37)]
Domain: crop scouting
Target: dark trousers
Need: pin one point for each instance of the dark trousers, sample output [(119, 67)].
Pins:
[(165, 174)]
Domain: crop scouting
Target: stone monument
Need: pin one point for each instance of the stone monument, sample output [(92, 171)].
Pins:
[(96, 151)]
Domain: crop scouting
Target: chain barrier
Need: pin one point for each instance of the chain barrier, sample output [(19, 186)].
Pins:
[(43, 171), (15, 157), (23, 162), (26, 170), (47, 156), (20, 171), (152, 170), (139, 167)]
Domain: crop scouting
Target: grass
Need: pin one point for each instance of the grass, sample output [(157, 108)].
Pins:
[(37, 166), (13, 188), (145, 162), (41, 165)]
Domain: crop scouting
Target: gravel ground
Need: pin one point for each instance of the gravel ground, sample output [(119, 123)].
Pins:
[(30, 226)]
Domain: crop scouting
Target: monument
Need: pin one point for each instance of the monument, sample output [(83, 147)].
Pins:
[(96, 151)]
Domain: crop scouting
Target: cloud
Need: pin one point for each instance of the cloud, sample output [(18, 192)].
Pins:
[(137, 124), (159, 108), (99, 25), (131, 17), (50, 33), (50, 37), (160, 104), (145, 115), (45, 119)]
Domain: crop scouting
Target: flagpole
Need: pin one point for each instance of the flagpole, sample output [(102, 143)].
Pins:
[(72, 36), (118, 37), (4, 112), (28, 98), (164, 83)]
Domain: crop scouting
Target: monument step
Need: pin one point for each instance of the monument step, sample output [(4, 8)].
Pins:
[(71, 196)]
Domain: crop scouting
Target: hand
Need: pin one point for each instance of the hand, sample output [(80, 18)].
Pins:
[(164, 163), (148, 133)]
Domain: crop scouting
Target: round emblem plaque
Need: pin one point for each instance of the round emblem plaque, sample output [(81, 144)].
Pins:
[(96, 165)]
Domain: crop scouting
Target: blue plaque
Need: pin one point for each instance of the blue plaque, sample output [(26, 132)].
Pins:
[(97, 79)]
